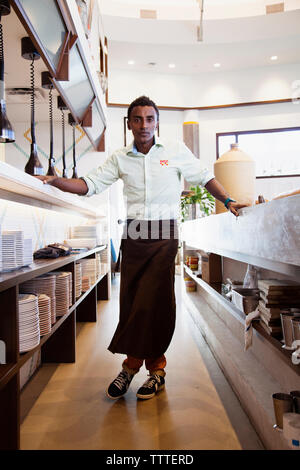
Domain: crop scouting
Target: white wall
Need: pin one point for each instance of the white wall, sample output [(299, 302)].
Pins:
[(211, 89), (244, 119), (268, 83), (212, 122)]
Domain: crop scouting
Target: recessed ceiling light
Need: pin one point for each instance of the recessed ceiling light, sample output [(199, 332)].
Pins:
[(172, 66), (131, 62), (217, 65), (274, 57)]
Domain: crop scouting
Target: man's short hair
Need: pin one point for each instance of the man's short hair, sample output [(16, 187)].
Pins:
[(142, 101)]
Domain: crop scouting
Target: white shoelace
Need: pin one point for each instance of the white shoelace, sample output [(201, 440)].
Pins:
[(122, 379), (153, 379)]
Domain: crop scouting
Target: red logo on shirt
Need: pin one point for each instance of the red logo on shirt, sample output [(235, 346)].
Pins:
[(164, 162)]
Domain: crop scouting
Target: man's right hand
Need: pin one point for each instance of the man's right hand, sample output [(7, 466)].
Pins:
[(69, 185), (47, 179)]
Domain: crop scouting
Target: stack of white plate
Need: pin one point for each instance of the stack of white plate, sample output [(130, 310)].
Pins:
[(70, 288), (78, 278), (0, 250), (19, 235), (62, 293), (98, 265), (9, 256), (29, 329), (88, 243), (28, 252), (44, 284), (88, 231), (44, 303), (89, 269), (85, 283)]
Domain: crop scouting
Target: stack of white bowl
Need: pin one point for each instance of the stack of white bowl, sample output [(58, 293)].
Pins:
[(44, 284), (44, 304), (62, 293), (89, 269), (70, 289), (86, 284)]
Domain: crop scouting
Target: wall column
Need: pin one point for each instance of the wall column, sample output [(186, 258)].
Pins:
[(191, 134)]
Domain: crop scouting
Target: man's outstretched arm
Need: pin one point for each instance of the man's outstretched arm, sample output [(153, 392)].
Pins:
[(72, 185)]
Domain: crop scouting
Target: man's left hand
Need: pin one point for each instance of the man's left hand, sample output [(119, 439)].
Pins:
[(233, 207)]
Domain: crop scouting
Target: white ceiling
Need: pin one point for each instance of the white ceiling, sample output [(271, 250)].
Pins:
[(235, 43)]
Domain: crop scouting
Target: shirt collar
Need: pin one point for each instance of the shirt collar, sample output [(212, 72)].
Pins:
[(131, 149)]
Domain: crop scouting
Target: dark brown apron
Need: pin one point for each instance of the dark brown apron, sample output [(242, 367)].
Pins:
[(147, 297)]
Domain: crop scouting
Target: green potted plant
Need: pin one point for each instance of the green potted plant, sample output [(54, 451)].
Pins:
[(190, 199)]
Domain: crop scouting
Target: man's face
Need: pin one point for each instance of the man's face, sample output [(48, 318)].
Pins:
[(143, 123)]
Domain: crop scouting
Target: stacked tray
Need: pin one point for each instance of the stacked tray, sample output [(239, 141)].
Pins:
[(29, 328), (279, 302)]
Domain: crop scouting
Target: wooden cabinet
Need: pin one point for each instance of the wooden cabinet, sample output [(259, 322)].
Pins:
[(58, 346)]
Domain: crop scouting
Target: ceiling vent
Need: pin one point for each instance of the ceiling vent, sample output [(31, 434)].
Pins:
[(23, 95), (275, 8), (148, 14)]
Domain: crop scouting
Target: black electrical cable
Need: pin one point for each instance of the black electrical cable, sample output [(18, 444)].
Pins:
[(32, 102)]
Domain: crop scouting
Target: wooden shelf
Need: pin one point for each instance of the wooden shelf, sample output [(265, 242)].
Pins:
[(18, 186), (42, 266), (57, 346)]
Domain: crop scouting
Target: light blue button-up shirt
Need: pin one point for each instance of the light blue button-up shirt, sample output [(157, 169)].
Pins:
[(152, 182)]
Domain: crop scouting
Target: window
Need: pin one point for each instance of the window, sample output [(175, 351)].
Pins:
[(276, 152)]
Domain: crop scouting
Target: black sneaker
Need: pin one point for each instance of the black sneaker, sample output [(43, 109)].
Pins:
[(120, 385), (151, 386)]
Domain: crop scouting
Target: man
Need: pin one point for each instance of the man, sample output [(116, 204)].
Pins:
[(151, 172)]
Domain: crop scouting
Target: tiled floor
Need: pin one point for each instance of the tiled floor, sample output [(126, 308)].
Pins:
[(73, 412)]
